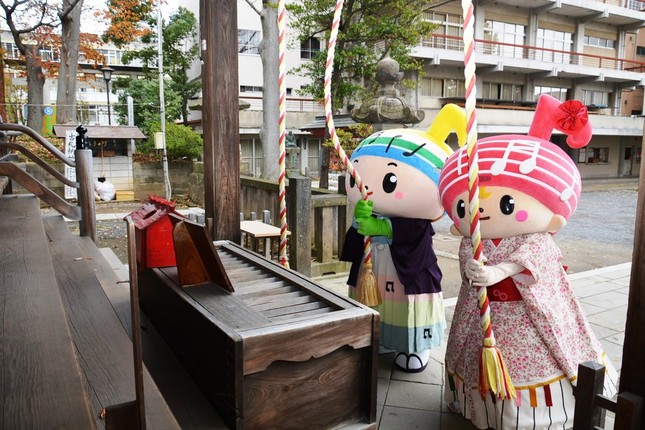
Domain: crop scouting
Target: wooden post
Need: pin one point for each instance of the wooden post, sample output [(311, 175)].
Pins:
[(344, 221), (220, 117), (591, 376), (628, 411), (323, 233), (632, 373), (84, 177), (299, 208)]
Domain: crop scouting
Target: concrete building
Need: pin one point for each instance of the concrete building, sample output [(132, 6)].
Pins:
[(570, 49)]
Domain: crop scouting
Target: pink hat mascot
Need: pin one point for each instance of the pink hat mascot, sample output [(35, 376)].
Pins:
[(529, 187)]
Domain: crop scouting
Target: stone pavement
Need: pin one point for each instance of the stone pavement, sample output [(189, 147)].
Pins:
[(415, 401)]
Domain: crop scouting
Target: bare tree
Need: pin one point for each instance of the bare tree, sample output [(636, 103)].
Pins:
[(18, 15), (269, 132), (70, 19)]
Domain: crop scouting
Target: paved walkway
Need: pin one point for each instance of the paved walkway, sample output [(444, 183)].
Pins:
[(414, 401)]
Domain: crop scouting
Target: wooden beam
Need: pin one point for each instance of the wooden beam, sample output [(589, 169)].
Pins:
[(220, 118), (632, 378)]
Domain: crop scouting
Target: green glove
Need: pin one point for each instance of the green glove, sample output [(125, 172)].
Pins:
[(369, 225), (363, 209)]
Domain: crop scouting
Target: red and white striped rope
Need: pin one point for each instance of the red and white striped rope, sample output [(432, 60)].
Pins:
[(329, 68), (282, 18)]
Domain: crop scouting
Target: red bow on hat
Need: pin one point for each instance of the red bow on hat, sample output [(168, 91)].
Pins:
[(574, 116)]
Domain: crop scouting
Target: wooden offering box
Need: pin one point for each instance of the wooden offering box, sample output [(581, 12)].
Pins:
[(280, 352)]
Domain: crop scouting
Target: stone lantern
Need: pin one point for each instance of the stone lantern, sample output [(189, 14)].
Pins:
[(388, 107)]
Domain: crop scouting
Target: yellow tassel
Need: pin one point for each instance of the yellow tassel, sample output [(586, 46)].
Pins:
[(495, 375), (367, 291)]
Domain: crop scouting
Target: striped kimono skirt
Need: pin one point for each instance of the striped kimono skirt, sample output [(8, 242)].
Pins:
[(409, 322)]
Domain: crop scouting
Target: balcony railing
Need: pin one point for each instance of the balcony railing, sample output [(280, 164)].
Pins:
[(630, 4), (292, 104), (509, 50)]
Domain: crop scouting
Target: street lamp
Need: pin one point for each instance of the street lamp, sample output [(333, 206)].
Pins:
[(107, 76)]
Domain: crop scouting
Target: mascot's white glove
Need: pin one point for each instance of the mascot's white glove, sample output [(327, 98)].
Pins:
[(483, 276)]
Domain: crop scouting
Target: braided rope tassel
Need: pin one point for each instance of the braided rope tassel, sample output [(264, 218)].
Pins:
[(367, 289), (282, 13), (493, 375)]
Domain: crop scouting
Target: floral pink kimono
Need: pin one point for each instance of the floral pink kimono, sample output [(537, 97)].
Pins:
[(540, 330)]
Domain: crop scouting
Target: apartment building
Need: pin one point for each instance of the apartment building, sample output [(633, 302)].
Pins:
[(570, 49)]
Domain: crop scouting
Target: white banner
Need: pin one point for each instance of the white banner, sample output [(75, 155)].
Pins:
[(70, 172)]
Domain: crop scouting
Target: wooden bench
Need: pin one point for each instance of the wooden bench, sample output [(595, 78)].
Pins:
[(258, 230)]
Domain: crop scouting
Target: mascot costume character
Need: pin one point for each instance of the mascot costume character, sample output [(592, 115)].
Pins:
[(400, 171), (529, 187)]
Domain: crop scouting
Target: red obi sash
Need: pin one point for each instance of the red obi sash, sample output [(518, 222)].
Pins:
[(503, 291)]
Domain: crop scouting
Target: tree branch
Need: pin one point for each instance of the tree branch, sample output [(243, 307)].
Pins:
[(252, 6)]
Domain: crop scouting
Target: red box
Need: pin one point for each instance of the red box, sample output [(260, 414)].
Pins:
[(153, 227)]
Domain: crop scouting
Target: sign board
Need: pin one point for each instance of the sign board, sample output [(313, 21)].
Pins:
[(70, 172)]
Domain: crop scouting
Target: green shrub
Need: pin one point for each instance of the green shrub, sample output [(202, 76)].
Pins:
[(182, 143)]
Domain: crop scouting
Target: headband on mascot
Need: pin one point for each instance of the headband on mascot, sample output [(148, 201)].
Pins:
[(530, 164), (425, 151)]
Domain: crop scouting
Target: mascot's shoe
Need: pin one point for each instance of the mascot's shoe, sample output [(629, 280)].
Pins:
[(454, 407), (414, 362)]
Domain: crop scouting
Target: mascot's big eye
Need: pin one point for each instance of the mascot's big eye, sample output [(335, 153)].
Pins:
[(461, 209), (352, 182), (507, 205), (389, 183)]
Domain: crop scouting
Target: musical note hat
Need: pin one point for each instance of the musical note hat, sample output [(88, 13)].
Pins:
[(426, 151), (530, 164)]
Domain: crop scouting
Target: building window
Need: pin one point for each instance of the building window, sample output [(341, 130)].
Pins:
[(594, 98), (114, 56), (250, 89), (640, 50), (251, 156), (599, 41), (434, 87), (500, 34), (450, 26), (88, 114), (49, 54), (248, 42), (11, 50), (309, 48), (498, 91), (593, 155), (558, 93), (553, 41)]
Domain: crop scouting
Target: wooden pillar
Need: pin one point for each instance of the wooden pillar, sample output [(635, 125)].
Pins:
[(220, 117), (344, 218), (298, 210), (587, 415), (84, 177), (632, 374)]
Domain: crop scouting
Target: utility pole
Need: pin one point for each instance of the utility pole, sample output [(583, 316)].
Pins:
[(162, 103)]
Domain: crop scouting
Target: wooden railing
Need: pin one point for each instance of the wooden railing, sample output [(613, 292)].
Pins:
[(84, 212), (317, 218), (547, 55)]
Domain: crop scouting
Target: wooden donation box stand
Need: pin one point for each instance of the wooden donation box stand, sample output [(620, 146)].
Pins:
[(267, 346)]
